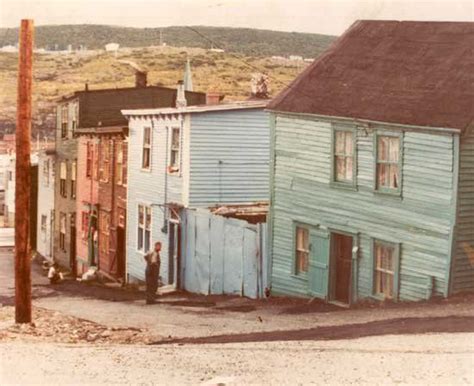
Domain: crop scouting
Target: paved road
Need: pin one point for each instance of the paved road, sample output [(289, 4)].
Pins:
[(444, 359)]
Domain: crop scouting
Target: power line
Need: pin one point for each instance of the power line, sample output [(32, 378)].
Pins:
[(219, 45)]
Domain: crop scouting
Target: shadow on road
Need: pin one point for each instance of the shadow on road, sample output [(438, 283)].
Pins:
[(399, 326)]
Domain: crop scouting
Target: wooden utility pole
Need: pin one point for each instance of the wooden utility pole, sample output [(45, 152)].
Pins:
[(23, 180)]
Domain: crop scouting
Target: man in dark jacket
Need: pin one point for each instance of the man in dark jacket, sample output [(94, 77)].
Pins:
[(152, 273)]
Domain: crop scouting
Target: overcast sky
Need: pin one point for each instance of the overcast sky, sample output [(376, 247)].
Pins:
[(318, 16)]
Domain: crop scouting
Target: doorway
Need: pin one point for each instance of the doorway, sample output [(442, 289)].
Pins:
[(121, 252), (72, 249), (341, 267), (174, 253)]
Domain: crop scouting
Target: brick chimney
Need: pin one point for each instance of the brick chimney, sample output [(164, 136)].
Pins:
[(181, 95), (213, 98), (140, 78)]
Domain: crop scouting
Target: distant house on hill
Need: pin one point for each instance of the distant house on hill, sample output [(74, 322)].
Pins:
[(373, 167), (112, 47)]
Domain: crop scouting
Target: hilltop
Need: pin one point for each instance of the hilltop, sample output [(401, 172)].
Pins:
[(57, 74), (245, 41)]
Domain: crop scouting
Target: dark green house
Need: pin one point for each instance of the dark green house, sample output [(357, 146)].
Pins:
[(373, 167)]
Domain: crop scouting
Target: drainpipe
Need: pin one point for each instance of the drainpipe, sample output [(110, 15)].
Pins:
[(112, 203), (164, 229)]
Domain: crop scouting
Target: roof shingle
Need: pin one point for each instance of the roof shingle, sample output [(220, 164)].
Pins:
[(414, 73)]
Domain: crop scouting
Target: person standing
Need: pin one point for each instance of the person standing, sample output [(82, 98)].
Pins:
[(152, 272)]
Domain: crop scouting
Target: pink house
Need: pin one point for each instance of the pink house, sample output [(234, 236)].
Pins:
[(87, 200)]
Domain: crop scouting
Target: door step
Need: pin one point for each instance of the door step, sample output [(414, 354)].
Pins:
[(339, 304)]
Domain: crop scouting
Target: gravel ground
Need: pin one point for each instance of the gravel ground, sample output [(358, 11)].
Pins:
[(417, 359)]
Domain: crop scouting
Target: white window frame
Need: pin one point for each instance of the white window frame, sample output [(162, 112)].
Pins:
[(176, 167), (147, 146), (143, 227)]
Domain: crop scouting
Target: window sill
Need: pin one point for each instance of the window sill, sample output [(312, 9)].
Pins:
[(145, 170), (384, 193), (343, 186), (300, 277)]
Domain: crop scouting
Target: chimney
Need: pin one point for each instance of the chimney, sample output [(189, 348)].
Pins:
[(181, 95), (140, 78), (259, 87), (213, 98), (86, 87)]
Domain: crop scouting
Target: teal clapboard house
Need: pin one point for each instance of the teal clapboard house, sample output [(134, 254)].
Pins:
[(373, 167)]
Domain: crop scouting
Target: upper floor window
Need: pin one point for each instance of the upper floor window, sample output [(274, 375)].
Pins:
[(104, 166), (175, 145), (75, 115), (46, 166), (121, 168), (44, 225), (146, 150), (64, 120), (388, 164), (62, 179), (73, 179), (301, 250), (343, 167), (89, 159)]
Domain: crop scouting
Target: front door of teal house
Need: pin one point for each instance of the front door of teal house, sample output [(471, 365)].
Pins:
[(319, 264)]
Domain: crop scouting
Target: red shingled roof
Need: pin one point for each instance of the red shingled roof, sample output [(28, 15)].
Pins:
[(414, 73)]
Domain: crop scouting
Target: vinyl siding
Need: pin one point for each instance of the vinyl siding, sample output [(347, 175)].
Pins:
[(463, 271), (421, 219), (229, 157)]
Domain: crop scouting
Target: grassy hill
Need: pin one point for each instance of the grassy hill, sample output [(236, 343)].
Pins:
[(230, 72), (241, 40)]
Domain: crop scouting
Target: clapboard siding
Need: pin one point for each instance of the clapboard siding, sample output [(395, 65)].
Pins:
[(148, 188), (420, 220), (463, 271), (229, 157)]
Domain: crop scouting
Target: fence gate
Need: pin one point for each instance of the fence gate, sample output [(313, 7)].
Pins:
[(223, 255)]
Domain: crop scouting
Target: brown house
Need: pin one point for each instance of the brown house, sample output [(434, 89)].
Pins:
[(89, 229)]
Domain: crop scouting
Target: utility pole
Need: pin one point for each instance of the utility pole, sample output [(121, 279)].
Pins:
[(23, 180)]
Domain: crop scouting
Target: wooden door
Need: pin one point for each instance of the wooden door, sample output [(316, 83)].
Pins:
[(319, 264), (341, 255), (121, 252)]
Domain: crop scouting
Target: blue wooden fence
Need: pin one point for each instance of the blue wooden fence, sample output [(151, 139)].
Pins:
[(223, 255)]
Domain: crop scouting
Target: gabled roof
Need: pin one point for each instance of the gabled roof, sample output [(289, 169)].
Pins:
[(412, 73)]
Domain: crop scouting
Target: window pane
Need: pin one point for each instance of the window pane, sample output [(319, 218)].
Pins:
[(148, 218), (394, 149), (147, 240), (140, 238), (340, 140), (340, 169), (348, 162), (348, 143), (147, 136), (393, 176), (383, 174), (175, 139), (382, 148), (141, 215)]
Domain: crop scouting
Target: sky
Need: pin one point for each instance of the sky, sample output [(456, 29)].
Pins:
[(315, 16)]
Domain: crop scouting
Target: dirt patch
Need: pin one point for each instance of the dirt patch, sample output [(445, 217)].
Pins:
[(50, 326), (405, 326)]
